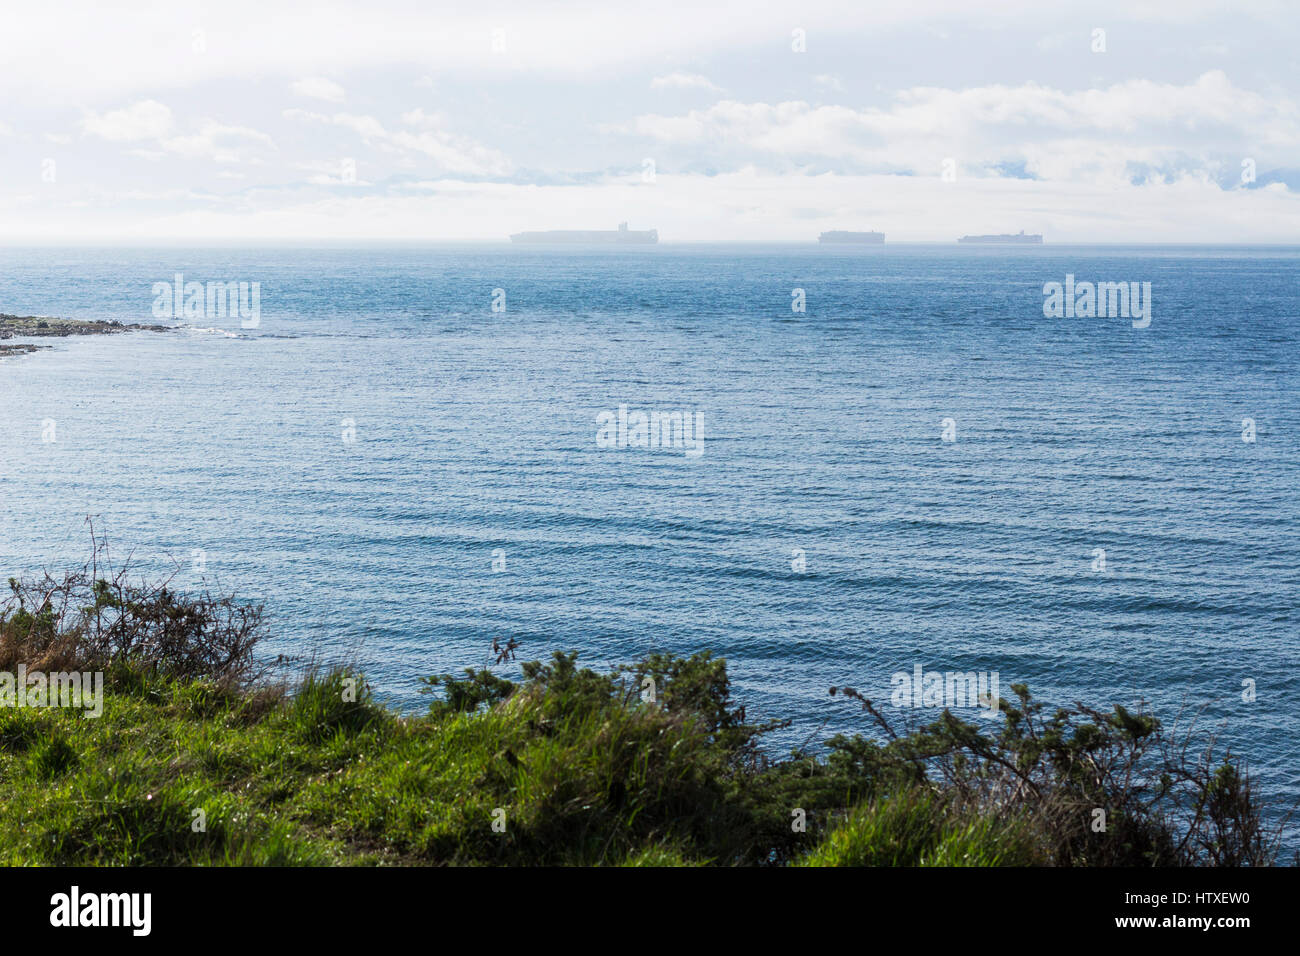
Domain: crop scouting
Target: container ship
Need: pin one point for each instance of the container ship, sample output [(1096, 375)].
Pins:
[(1019, 237), (839, 235), (620, 235)]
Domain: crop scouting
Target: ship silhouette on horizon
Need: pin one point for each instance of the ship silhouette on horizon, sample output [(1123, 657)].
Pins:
[(621, 235), (1004, 237), (842, 236)]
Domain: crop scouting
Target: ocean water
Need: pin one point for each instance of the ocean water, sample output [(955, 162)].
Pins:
[(827, 533)]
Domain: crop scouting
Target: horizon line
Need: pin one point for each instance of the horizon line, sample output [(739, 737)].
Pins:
[(37, 242)]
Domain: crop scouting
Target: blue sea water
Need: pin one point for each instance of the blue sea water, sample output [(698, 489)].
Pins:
[(476, 431)]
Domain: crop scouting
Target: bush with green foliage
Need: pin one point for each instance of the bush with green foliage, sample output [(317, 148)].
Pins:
[(196, 760)]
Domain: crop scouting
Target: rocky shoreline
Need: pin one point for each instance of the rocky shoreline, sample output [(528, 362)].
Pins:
[(35, 326), (19, 349)]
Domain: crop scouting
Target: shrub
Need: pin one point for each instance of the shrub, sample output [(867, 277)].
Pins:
[(1165, 797), (97, 618), (651, 764), (916, 827)]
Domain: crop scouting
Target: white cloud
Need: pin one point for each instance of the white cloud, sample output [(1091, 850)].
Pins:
[(320, 88), (337, 173), (1095, 133), (152, 124), (219, 142), (958, 75), (684, 81), (418, 117), (565, 37), (452, 153), (147, 119), (367, 127)]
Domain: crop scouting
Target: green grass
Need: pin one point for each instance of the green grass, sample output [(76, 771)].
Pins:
[(181, 772), (923, 828), (566, 768), (194, 761), (314, 779), (122, 789)]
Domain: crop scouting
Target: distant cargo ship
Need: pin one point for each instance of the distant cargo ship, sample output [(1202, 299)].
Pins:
[(839, 235), (1004, 237), (620, 235)]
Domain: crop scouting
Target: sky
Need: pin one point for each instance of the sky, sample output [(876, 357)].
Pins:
[(927, 119)]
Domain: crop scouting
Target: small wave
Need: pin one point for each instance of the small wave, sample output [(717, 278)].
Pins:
[(212, 331)]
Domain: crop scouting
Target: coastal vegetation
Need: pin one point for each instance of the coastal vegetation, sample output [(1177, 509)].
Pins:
[(205, 752)]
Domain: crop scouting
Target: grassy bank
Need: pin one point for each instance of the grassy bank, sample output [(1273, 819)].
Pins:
[(198, 758)]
